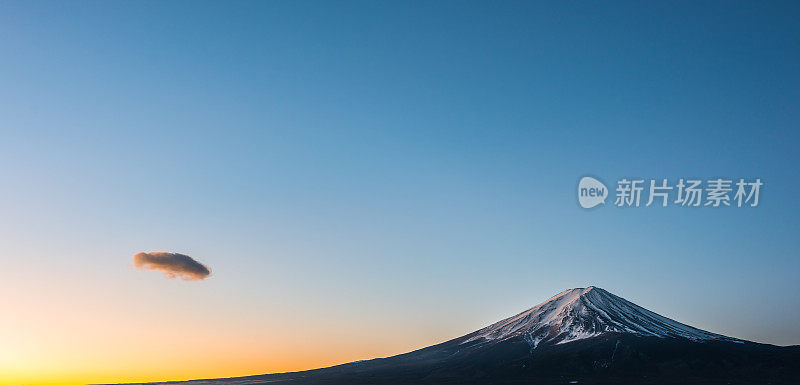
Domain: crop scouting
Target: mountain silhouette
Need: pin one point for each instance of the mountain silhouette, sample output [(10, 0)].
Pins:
[(579, 336)]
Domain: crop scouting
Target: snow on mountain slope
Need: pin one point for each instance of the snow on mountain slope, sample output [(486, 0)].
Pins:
[(584, 313)]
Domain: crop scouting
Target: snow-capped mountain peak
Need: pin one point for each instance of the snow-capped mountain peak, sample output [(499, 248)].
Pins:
[(581, 313)]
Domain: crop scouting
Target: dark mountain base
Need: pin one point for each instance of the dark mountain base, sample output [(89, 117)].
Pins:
[(609, 359)]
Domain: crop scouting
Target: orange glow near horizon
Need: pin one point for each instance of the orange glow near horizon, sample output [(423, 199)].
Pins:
[(122, 361), (87, 331)]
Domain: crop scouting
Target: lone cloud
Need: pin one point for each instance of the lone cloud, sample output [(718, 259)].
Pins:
[(172, 264)]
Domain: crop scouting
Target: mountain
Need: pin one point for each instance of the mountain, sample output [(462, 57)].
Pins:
[(583, 336), (585, 313)]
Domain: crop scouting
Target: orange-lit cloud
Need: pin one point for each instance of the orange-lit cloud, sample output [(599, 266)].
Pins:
[(172, 265)]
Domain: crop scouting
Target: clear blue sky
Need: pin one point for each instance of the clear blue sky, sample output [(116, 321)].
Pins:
[(411, 163)]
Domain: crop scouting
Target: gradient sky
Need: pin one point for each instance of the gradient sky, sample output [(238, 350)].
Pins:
[(367, 178)]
